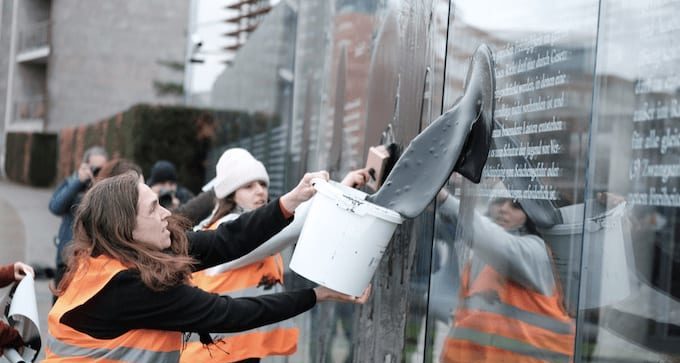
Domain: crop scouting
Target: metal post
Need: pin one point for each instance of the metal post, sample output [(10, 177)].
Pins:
[(193, 5)]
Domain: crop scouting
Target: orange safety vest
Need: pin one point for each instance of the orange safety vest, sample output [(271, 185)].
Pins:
[(275, 339), (501, 321), (66, 344)]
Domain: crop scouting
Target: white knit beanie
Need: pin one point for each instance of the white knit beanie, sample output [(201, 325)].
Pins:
[(236, 168)]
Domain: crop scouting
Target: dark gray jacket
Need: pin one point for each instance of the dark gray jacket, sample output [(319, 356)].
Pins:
[(64, 202)]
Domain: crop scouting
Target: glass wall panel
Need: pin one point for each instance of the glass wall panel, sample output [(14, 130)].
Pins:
[(333, 55), (632, 200), (505, 271), (368, 73), (416, 346)]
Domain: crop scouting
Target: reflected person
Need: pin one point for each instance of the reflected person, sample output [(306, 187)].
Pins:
[(511, 307)]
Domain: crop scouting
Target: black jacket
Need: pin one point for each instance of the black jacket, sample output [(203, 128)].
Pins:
[(125, 303)]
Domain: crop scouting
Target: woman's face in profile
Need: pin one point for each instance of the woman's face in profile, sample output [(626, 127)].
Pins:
[(507, 216), (152, 225), (252, 195)]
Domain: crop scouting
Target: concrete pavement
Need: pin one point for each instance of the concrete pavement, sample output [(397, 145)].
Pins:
[(27, 229)]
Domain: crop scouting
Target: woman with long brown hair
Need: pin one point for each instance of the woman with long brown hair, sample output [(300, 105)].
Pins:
[(127, 296)]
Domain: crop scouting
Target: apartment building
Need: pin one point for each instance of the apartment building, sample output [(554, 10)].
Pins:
[(76, 61)]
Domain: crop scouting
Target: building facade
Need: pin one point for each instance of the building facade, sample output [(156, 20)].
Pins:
[(74, 62)]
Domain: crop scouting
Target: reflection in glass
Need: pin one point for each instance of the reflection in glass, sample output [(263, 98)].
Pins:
[(511, 307), (635, 154), (544, 54), (357, 64), (333, 52)]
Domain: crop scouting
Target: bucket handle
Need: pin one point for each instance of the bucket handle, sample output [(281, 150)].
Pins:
[(606, 220), (341, 200), (316, 181)]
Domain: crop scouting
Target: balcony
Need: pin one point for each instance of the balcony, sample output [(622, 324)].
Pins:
[(234, 47), (237, 5), (249, 14), (238, 31), (34, 43), (29, 114), (240, 4)]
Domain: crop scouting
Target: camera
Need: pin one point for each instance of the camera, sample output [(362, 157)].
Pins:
[(95, 170), (165, 197)]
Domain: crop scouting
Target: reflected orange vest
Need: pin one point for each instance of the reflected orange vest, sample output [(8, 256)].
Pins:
[(66, 344), (275, 339), (501, 321)]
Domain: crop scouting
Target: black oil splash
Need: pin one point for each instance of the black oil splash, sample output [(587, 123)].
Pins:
[(459, 140)]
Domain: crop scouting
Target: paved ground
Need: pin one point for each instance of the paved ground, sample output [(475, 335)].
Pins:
[(27, 229)]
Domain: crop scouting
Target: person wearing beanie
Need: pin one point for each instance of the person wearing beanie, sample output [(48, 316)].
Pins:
[(163, 181), (241, 185)]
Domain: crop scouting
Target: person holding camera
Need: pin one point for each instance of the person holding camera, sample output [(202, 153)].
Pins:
[(67, 197), (163, 182)]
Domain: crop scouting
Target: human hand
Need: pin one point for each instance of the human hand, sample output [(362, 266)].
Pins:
[(610, 199), (303, 191), (85, 173), (21, 270), (325, 294), (356, 178), (9, 337), (442, 195)]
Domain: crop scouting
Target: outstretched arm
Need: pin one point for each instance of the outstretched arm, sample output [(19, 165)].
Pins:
[(289, 235), (126, 303), (522, 258), (236, 238)]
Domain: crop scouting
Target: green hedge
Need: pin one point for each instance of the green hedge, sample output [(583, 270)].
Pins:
[(146, 133), (31, 158), (191, 138), (180, 135)]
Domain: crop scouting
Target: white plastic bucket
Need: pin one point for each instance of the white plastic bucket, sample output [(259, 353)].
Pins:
[(608, 264), (343, 238)]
